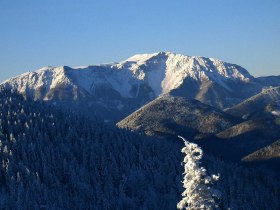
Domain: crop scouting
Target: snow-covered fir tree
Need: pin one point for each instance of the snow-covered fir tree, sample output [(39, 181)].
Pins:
[(198, 194)]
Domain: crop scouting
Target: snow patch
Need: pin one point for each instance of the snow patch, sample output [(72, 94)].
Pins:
[(276, 113), (245, 116)]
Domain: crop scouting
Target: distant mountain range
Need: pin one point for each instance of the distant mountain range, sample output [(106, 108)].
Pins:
[(118, 89), (164, 94)]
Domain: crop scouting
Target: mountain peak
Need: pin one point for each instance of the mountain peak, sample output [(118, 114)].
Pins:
[(142, 75), (194, 66), (141, 57)]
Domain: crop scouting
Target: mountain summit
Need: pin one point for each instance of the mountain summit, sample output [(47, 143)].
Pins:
[(126, 86)]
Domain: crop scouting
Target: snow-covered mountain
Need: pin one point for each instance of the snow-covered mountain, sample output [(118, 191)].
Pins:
[(121, 88)]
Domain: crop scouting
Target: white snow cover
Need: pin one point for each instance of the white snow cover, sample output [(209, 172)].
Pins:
[(197, 194), (276, 112), (163, 71), (49, 77)]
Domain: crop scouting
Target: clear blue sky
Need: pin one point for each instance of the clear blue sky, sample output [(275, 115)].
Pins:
[(37, 33)]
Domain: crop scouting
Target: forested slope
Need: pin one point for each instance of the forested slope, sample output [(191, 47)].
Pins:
[(53, 159)]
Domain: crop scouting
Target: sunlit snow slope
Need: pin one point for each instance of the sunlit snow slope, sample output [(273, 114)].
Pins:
[(127, 85)]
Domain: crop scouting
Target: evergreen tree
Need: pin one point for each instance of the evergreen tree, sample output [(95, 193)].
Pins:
[(197, 194)]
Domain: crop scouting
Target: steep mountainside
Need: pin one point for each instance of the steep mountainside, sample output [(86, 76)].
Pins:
[(243, 139), (168, 116), (271, 151), (266, 103), (268, 158), (117, 89)]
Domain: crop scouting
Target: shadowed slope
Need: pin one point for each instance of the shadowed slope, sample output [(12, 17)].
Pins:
[(170, 116)]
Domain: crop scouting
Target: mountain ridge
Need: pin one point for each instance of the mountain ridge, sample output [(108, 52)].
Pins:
[(141, 60), (125, 86), (264, 104), (169, 115)]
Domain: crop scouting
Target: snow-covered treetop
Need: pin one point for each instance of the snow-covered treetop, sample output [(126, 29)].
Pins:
[(197, 193)]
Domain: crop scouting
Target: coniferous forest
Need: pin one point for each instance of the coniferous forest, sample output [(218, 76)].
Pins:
[(52, 158), (147, 105)]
